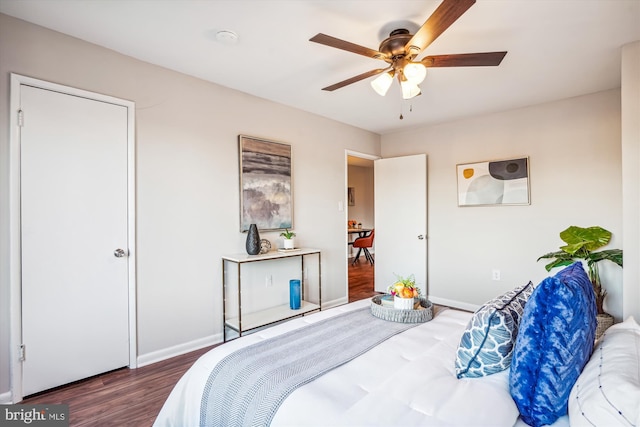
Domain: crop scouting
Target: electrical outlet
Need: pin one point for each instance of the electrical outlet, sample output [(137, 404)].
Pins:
[(495, 274), (268, 282)]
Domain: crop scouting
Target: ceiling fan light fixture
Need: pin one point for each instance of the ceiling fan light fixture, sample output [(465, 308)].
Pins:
[(409, 89), (382, 83), (415, 72)]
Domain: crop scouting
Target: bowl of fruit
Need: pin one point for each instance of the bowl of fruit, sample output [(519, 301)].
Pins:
[(404, 292)]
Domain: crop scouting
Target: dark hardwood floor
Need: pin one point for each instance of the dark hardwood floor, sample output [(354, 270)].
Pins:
[(124, 397), (361, 279), (133, 397)]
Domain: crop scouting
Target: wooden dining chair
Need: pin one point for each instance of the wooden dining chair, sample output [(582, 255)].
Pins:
[(363, 244)]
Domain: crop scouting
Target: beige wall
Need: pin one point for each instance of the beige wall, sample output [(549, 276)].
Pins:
[(361, 178), (575, 174), (187, 181), (631, 177)]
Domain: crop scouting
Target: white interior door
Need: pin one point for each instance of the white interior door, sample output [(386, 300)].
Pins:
[(401, 220), (74, 217)]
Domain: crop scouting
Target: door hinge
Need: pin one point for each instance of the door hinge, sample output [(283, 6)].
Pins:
[(22, 355), (20, 118)]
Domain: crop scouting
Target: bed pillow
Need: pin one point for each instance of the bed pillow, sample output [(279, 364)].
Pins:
[(607, 393), (554, 343), (486, 345)]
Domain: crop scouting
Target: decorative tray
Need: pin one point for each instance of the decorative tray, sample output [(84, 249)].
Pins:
[(423, 314)]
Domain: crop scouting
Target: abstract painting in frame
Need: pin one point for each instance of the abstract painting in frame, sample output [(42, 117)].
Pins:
[(496, 182), (265, 184)]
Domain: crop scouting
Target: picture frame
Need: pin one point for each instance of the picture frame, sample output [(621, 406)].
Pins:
[(351, 196), (494, 182), (266, 196)]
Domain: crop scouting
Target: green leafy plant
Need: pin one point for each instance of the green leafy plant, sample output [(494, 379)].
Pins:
[(287, 234), (581, 244)]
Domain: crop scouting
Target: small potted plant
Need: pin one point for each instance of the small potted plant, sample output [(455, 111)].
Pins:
[(288, 238), (404, 290), (581, 244)]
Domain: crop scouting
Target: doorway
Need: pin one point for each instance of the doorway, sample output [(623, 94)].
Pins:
[(360, 204), (72, 235), (401, 234)]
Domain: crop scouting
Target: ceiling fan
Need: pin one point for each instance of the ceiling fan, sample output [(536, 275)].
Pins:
[(401, 48)]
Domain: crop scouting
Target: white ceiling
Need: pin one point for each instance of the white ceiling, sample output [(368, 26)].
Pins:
[(556, 49)]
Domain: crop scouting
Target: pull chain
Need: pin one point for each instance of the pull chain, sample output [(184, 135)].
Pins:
[(410, 110)]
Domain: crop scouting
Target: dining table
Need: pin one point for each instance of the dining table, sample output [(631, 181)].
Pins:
[(361, 232)]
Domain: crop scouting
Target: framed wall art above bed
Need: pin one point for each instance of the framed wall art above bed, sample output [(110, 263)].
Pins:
[(266, 197), (496, 182)]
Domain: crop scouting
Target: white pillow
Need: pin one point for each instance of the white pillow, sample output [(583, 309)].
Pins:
[(607, 392)]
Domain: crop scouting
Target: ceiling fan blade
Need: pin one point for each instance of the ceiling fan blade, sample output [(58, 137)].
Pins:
[(355, 79), (484, 59), (445, 15), (345, 45)]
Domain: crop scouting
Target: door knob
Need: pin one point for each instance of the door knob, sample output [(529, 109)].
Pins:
[(420, 237), (119, 253)]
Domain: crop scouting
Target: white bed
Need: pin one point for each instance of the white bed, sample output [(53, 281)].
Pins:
[(407, 380), (527, 354)]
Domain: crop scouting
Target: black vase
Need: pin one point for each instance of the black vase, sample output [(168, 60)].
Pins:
[(253, 240)]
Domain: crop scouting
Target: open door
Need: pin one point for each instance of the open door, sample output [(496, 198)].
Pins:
[(401, 220)]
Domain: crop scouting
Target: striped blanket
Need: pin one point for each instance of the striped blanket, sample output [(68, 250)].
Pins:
[(247, 387)]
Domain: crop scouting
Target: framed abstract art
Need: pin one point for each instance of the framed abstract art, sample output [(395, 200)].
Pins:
[(265, 184), (496, 182)]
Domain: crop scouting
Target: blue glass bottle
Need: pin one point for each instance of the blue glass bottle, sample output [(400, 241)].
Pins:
[(295, 296)]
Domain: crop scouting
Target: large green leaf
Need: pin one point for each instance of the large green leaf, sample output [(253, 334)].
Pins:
[(590, 238), (614, 255), (561, 259)]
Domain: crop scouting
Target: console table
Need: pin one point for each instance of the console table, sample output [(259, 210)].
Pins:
[(241, 321)]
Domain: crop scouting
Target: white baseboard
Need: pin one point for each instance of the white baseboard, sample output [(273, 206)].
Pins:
[(177, 350), (5, 398), (334, 303), (454, 304), (180, 349)]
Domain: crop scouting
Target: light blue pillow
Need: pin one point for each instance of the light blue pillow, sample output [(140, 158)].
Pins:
[(486, 345), (553, 345)]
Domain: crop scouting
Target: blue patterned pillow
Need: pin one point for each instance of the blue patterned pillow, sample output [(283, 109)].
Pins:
[(487, 343), (553, 345)]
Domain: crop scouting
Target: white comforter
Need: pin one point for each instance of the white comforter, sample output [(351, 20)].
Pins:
[(407, 380)]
